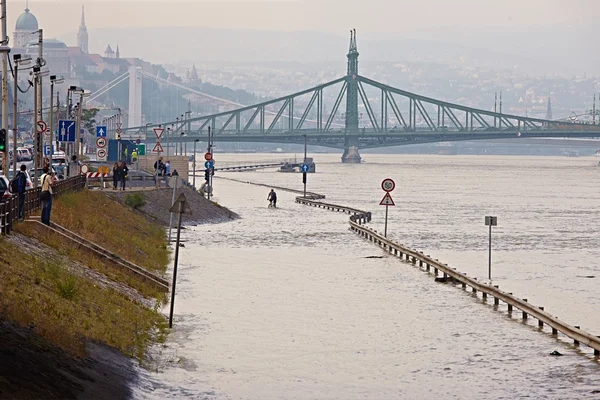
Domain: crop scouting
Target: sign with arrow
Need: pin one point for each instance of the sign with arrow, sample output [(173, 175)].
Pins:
[(101, 131), (66, 130), (42, 126)]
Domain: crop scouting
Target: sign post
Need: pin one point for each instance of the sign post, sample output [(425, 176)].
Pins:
[(305, 169), (180, 206), (157, 149), (388, 185), (490, 221)]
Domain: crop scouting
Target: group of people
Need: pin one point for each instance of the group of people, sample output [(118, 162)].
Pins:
[(162, 169), (120, 173), (19, 186)]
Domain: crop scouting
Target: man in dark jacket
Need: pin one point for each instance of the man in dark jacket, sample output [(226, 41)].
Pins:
[(21, 186)]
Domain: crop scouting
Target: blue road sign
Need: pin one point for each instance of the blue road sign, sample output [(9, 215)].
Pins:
[(100, 131), (47, 150), (305, 167), (66, 130), (209, 164)]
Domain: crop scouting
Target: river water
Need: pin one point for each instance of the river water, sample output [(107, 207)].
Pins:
[(284, 304)]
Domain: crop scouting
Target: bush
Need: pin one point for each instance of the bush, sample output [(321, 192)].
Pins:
[(67, 289), (135, 200)]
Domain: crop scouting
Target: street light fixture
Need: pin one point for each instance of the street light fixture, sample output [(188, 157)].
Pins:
[(53, 80), (194, 164), (19, 60)]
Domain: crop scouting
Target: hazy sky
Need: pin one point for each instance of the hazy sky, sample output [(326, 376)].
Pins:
[(403, 17)]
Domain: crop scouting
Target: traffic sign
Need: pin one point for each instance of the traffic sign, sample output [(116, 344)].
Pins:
[(157, 148), (101, 142), (158, 132), (387, 200), (119, 125), (305, 167), (84, 169), (42, 126), (209, 164), (101, 154), (47, 150), (66, 130), (101, 131), (388, 185), (208, 156)]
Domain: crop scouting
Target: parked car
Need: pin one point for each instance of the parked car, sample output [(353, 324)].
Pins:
[(26, 154), (4, 188)]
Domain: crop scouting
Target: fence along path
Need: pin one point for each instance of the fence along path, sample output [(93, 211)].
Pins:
[(425, 262), (9, 209)]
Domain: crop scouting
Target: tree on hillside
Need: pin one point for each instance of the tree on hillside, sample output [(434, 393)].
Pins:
[(88, 119)]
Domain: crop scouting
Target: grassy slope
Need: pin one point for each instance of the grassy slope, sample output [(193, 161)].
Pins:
[(116, 228), (64, 308)]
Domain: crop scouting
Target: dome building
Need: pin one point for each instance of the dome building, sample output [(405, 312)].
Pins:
[(25, 28)]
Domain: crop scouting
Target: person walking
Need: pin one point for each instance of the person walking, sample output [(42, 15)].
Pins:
[(21, 186), (46, 195), (115, 172), (123, 174)]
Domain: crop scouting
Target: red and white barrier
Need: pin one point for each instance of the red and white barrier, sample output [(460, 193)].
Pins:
[(96, 175)]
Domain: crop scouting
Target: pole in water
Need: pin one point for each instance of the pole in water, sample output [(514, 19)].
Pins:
[(175, 265), (490, 255), (386, 217), (172, 204), (180, 207)]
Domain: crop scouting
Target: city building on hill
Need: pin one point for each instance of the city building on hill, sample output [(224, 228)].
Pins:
[(55, 53), (25, 29)]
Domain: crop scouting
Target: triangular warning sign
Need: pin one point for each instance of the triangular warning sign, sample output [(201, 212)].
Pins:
[(157, 148), (387, 200), (158, 132), (181, 206)]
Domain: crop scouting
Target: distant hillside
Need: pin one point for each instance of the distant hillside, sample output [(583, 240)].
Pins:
[(536, 50)]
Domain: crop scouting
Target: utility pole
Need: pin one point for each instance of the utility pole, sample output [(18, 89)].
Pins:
[(39, 113), (36, 136), (5, 157)]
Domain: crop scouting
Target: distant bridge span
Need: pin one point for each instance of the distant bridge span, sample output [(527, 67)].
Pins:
[(395, 117)]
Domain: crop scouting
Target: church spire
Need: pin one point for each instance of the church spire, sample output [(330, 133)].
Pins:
[(82, 35), (118, 53), (549, 109)]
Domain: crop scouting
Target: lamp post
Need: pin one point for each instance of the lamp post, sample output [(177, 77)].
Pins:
[(19, 61), (175, 129), (53, 80), (490, 221), (181, 143), (194, 164)]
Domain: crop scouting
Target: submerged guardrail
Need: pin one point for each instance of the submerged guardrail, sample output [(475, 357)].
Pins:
[(357, 220)]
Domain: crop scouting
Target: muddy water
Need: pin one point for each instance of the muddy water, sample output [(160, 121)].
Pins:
[(283, 304)]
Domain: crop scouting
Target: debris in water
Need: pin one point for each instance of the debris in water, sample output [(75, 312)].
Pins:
[(374, 257), (555, 353)]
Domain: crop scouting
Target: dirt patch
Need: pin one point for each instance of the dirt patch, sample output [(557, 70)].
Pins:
[(30, 368), (158, 203)]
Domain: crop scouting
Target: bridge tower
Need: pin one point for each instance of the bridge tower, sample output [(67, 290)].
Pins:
[(351, 154), (135, 97)]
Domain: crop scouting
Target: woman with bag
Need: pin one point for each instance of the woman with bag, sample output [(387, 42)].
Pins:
[(46, 195), (115, 172)]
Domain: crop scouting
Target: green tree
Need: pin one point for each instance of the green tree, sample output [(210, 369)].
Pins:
[(88, 119)]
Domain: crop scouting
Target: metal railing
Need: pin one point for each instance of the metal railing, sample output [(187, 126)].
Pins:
[(359, 217), (9, 208)]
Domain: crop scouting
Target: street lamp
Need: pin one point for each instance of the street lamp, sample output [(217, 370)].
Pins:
[(53, 80), (5, 50), (181, 143), (19, 61), (78, 90), (194, 164), (37, 106)]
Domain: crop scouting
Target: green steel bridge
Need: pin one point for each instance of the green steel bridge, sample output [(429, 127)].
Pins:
[(394, 117)]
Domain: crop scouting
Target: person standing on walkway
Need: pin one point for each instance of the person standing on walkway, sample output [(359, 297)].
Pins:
[(123, 174), (115, 172), (46, 195), (21, 186)]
